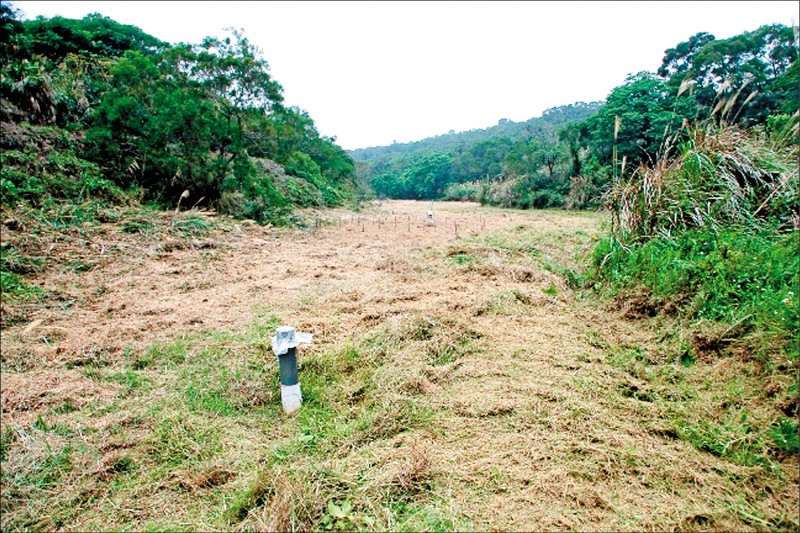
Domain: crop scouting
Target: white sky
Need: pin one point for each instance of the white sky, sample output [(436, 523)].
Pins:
[(371, 73)]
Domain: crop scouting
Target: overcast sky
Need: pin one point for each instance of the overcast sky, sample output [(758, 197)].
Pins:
[(371, 73)]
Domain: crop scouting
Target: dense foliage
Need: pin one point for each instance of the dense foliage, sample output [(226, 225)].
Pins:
[(93, 106), (705, 215), (479, 164)]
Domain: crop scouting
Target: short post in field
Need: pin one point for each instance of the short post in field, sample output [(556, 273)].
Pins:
[(284, 345)]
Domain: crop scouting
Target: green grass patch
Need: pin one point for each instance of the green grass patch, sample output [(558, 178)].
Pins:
[(747, 280), (461, 259), (734, 437)]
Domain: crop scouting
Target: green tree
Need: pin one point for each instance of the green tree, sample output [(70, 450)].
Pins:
[(429, 175), (647, 112), (481, 160), (763, 62)]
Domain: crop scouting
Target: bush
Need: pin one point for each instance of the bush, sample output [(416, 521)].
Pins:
[(522, 193), (583, 193), (722, 177), (463, 192), (542, 199), (253, 195)]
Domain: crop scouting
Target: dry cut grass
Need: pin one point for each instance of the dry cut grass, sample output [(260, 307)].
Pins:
[(454, 383)]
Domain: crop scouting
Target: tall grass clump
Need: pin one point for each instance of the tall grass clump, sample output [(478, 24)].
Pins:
[(711, 229)]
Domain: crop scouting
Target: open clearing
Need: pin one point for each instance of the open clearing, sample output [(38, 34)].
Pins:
[(455, 382)]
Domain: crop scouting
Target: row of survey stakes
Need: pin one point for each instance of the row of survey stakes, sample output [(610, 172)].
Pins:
[(284, 345), (457, 223)]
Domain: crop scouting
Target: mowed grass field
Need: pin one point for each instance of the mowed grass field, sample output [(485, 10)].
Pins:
[(459, 379)]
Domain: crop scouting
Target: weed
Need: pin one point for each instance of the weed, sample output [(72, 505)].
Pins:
[(687, 358), (734, 437), (13, 285), (207, 397), (47, 471), (785, 434), (550, 290), (449, 350), (173, 353), (389, 418), (181, 437), (422, 516), (461, 259), (291, 497), (502, 302), (747, 280), (7, 438), (338, 516), (128, 378), (631, 360), (123, 465), (138, 225), (65, 408), (190, 226)]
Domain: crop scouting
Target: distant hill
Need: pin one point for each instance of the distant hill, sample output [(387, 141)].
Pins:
[(544, 127), (450, 165)]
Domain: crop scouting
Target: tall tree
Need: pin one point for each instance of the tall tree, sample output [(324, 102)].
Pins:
[(646, 111), (760, 63)]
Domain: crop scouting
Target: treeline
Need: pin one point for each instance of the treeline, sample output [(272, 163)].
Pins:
[(93, 108), (545, 126), (462, 165), (573, 165)]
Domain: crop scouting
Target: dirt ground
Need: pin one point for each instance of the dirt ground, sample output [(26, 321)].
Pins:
[(532, 432)]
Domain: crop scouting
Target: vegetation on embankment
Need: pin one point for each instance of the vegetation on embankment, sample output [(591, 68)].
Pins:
[(101, 122), (710, 235), (97, 110)]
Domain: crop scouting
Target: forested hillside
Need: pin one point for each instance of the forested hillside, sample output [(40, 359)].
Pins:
[(95, 111), (545, 127), (452, 165)]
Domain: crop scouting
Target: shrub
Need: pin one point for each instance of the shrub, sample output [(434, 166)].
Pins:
[(41, 164), (721, 177), (463, 192)]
